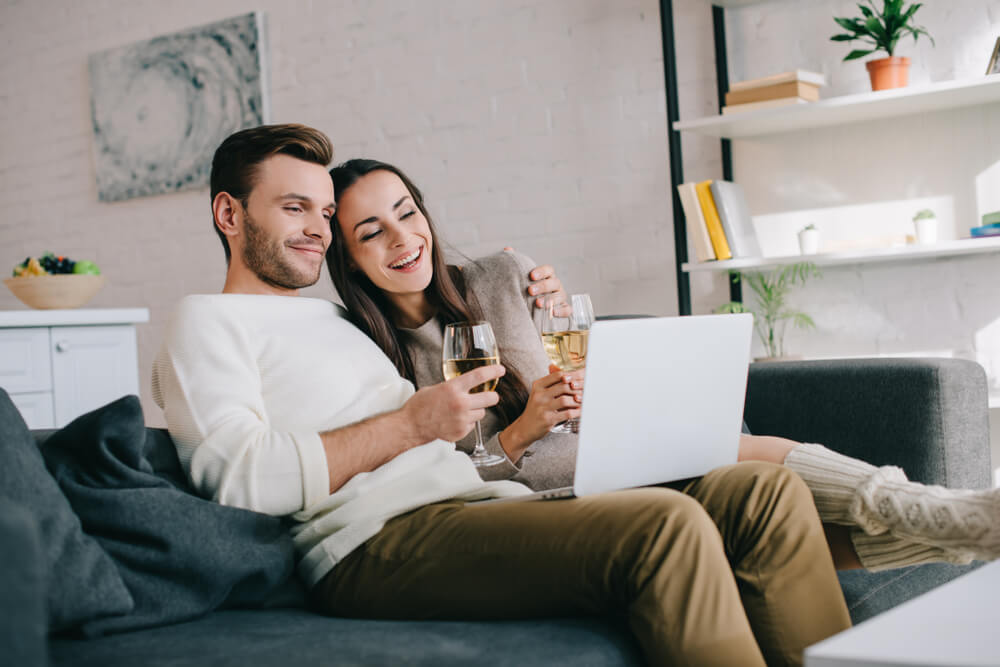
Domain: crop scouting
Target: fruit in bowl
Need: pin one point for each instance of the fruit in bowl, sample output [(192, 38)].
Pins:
[(55, 282)]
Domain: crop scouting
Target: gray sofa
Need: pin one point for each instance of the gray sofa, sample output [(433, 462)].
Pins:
[(929, 416)]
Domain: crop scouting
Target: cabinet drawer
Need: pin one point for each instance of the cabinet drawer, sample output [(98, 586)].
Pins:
[(92, 366), (37, 409), (25, 362)]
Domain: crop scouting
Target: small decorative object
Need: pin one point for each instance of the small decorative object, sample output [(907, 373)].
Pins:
[(772, 314), (882, 30), (809, 240), (161, 106), (926, 223), (994, 66), (55, 282)]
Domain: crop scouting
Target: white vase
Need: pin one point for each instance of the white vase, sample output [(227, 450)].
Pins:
[(809, 241), (926, 231)]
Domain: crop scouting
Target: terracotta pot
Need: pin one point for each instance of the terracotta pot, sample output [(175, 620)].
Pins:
[(888, 73)]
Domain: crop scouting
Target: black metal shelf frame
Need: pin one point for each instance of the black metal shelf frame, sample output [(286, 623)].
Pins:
[(674, 139)]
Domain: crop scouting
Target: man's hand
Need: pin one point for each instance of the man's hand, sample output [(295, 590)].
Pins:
[(447, 411), (544, 282)]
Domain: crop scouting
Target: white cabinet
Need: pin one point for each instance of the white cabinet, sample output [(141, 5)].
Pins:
[(59, 364)]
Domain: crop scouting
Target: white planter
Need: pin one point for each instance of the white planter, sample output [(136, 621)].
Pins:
[(809, 241), (926, 230)]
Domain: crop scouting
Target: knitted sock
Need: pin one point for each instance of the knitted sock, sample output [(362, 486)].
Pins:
[(833, 479), (879, 500), (886, 551), (959, 520)]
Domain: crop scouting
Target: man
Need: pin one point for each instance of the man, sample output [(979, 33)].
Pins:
[(278, 404)]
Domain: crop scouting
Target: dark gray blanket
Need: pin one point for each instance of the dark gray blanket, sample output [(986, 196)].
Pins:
[(179, 555)]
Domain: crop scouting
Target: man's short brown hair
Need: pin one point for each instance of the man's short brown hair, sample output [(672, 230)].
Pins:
[(234, 167)]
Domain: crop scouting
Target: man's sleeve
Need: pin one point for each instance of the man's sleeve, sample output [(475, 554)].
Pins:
[(207, 381)]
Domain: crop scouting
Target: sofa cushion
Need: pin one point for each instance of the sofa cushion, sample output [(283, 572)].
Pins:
[(22, 580), (180, 555), (82, 581), (283, 638)]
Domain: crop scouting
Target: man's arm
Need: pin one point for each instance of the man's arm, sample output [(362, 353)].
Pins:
[(445, 411)]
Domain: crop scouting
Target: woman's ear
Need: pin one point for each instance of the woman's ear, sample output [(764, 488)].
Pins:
[(227, 211)]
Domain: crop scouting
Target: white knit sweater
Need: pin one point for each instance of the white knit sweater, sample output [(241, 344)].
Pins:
[(247, 383)]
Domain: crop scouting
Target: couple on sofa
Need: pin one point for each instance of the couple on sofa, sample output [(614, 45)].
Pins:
[(282, 404)]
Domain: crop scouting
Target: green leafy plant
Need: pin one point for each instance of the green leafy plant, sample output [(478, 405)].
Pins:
[(924, 214), (880, 29), (808, 227), (772, 314)]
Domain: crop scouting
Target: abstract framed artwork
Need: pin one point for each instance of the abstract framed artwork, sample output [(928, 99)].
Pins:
[(160, 107)]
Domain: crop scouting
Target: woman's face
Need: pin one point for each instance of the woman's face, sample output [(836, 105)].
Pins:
[(386, 235)]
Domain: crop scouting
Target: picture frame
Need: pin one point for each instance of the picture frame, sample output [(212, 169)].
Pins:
[(994, 66)]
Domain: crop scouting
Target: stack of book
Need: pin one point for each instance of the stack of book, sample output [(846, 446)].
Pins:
[(718, 220), (990, 226), (795, 87)]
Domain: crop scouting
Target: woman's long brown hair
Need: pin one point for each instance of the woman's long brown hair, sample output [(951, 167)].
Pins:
[(370, 309)]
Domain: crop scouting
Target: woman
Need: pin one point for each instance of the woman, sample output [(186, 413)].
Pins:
[(387, 265)]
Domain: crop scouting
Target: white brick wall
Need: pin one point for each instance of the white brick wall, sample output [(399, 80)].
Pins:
[(536, 123)]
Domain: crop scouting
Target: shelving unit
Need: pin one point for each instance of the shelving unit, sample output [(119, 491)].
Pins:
[(893, 254), (849, 109)]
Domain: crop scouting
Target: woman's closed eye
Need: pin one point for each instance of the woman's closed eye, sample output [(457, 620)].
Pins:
[(407, 215), (370, 235)]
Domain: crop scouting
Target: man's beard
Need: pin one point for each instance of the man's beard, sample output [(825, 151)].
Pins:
[(267, 258)]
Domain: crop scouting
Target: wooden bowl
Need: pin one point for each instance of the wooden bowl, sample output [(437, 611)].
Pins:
[(66, 290)]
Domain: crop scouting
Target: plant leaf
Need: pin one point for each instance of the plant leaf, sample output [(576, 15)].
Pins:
[(857, 53), (843, 38), (867, 12)]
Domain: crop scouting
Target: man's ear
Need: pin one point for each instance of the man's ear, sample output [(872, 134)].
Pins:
[(227, 211)]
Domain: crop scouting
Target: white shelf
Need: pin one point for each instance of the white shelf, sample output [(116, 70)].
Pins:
[(902, 253), (72, 317), (849, 109)]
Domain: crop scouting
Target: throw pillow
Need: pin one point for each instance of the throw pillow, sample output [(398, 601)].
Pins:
[(82, 581)]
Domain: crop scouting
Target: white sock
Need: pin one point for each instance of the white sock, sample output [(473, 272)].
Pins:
[(833, 479), (886, 551)]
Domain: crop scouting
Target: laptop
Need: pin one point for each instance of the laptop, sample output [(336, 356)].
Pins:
[(663, 401)]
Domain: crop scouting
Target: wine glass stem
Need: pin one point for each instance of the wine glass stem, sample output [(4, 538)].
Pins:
[(479, 449)]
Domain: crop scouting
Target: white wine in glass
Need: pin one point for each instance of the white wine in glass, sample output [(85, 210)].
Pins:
[(468, 346), (565, 330)]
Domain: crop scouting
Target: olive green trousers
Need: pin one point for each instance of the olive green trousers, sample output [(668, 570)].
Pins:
[(728, 569)]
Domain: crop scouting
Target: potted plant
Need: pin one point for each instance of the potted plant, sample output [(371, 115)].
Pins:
[(772, 315), (809, 240), (926, 223), (882, 30)]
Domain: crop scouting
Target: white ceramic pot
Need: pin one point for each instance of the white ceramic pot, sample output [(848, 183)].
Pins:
[(809, 241), (926, 231)]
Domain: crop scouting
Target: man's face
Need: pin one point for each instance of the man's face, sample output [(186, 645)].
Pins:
[(286, 223)]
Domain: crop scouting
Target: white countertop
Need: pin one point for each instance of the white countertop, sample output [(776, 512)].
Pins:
[(954, 625), (73, 317)]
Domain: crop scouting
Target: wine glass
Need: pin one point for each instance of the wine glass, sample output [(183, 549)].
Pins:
[(467, 346), (565, 329)]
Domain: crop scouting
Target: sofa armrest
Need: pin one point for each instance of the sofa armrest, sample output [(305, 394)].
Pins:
[(928, 416), (23, 633)]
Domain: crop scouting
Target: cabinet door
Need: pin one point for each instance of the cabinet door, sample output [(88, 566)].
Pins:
[(24, 360), (92, 366), (35, 408)]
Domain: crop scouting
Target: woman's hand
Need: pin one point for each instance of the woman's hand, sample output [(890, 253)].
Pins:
[(553, 399)]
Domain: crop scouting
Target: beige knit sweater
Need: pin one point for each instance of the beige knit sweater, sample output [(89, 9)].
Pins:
[(500, 282)]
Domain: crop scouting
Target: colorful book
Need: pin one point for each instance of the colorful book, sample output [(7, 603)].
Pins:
[(712, 223), (784, 77), (767, 104), (695, 223), (731, 203), (985, 230), (806, 91), (991, 218)]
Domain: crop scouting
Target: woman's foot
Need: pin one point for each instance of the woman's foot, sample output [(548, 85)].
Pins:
[(963, 521)]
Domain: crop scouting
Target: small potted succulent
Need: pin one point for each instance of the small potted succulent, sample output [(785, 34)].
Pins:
[(926, 223), (809, 240), (880, 31)]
